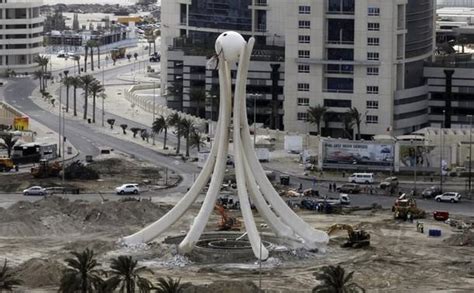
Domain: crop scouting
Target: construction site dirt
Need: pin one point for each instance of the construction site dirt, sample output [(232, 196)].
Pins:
[(37, 237)]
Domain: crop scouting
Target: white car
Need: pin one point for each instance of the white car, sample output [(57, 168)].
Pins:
[(448, 196), (128, 188), (35, 190)]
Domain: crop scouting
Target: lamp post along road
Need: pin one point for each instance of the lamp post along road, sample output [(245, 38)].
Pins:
[(470, 155), (441, 142), (154, 104)]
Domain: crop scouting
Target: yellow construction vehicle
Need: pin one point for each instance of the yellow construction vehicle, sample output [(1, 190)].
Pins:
[(405, 208), (357, 238), (6, 164), (227, 222)]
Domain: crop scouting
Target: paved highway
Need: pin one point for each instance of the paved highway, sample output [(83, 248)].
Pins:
[(83, 136)]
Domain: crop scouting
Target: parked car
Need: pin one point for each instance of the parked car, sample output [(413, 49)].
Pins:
[(448, 196), (128, 188), (431, 192), (155, 58), (349, 188), (388, 182), (440, 215), (35, 190)]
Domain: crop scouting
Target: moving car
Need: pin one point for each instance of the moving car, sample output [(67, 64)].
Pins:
[(35, 190), (389, 182), (448, 196), (349, 188), (155, 57), (130, 188), (430, 192), (367, 178)]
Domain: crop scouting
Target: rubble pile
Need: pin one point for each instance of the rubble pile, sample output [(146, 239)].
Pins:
[(466, 238), (55, 215), (37, 273)]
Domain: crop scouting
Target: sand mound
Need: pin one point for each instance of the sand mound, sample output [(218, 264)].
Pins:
[(466, 238), (222, 287), (37, 272), (98, 246), (54, 215)]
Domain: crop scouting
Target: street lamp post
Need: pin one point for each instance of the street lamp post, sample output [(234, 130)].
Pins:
[(470, 154), (416, 164), (59, 113), (441, 141), (64, 141), (103, 84), (154, 104)]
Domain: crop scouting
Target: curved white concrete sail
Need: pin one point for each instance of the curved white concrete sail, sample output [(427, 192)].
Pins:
[(250, 176), (219, 169)]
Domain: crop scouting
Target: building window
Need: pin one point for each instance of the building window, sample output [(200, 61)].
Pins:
[(372, 89), (373, 41), (372, 104), (303, 53), (304, 39), (372, 119), (304, 9), (302, 116), (337, 103), (373, 11), (372, 56), (303, 87), (303, 101), (303, 68), (304, 24), (372, 71), (373, 26)]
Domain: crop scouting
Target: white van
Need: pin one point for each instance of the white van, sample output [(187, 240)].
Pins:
[(364, 178)]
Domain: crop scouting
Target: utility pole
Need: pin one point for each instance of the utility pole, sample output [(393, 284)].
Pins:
[(103, 84), (470, 154), (154, 97), (441, 141), (59, 114)]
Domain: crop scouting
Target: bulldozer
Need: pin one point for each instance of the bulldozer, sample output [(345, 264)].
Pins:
[(405, 208), (45, 170), (227, 223), (357, 238), (6, 164)]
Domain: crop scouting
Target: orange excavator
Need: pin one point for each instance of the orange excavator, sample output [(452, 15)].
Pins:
[(227, 222)]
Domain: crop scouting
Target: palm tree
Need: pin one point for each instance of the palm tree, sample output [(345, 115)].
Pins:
[(95, 88), (76, 82), (81, 274), (196, 139), (199, 96), (7, 278), (161, 125), (175, 120), (67, 81), (92, 44), (9, 142), (315, 115), (335, 280), (86, 54), (77, 59), (125, 274), (356, 117), (169, 285), (186, 127), (43, 62), (39, 75), (348, 124), (86, 81)]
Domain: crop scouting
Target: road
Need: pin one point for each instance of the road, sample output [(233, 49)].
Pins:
[(85, 138)]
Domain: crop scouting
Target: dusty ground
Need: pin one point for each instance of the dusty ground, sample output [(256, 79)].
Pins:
[(36, 237), (111, 170)]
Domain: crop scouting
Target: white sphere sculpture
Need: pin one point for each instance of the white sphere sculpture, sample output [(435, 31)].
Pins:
[(230, 44)]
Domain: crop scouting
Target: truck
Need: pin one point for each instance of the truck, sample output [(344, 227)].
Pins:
[(6, 164), (263, 154)]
